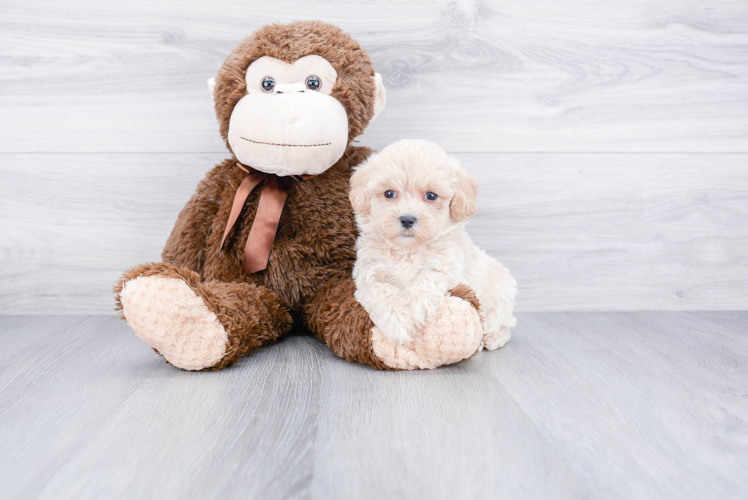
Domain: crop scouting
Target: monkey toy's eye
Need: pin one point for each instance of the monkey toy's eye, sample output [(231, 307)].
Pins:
[(268, 84), (431, 196), (390, 194), (313, 83)]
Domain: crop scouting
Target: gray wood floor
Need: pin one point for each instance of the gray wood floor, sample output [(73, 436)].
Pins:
[(578, 405)]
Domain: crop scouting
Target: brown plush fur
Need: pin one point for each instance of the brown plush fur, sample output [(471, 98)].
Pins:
[(308, 277), (466, 293), (342, 323), (254, 315)]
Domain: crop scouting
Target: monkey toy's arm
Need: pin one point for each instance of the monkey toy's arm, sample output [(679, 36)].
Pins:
[(335, 317), (186, 245)]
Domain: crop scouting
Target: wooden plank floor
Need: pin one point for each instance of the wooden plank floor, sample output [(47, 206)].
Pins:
[(578, 405)]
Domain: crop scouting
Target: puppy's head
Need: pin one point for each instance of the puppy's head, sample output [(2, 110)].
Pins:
[(412, 193)]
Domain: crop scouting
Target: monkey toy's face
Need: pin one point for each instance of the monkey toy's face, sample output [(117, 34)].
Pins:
[(290, 123), (290, 98)]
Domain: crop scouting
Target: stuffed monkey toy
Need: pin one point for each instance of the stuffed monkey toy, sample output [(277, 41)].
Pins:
[(268, 239)]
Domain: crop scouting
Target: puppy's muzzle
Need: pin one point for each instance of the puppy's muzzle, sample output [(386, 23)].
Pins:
[(407, 221)]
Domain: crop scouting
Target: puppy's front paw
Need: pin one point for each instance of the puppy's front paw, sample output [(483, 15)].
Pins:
[(394, 331), (496, 339), (425, 307)]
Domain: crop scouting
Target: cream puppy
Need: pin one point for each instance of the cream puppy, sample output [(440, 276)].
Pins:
[(412, 201)]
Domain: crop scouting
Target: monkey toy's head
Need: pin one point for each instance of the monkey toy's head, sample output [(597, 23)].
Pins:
[(291, 97)]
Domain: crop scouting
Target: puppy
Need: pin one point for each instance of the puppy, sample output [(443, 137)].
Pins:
[(411, 202)]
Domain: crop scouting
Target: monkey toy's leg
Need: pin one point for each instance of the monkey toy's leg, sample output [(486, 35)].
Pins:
[(453, 335), (337, 319), (343, 324), (198, 325)]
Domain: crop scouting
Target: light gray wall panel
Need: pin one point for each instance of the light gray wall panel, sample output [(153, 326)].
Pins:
[(92, 85), (615, 231), (579, 231), (476, 76)]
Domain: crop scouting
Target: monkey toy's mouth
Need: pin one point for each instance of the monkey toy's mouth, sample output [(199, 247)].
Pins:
[(284, 136), (288, 145)]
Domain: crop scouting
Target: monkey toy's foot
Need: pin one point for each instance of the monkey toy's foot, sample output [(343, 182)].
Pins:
[(196, 324), (174, 320), (454, 335)]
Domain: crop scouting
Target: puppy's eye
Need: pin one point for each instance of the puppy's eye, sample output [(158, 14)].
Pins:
[(431, 196), (268, 84), (313, 83), (390, 194)]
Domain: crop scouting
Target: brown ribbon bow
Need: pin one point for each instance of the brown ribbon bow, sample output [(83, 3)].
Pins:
[(269, 209)]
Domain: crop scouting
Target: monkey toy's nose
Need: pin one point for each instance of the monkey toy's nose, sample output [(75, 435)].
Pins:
[(407, 221), (285, 88)]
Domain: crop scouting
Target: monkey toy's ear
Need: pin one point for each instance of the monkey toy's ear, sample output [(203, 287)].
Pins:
[(380, 96), (211, 85), (464, 203), (359, 195)]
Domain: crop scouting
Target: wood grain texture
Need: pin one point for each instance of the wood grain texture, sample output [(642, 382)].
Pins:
[(617, 232), (476, 76), (646, 405), (579, 231), (92, 412), (578, 405), (451, 433)]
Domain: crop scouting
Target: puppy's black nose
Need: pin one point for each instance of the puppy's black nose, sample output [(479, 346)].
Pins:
[(407, 221)]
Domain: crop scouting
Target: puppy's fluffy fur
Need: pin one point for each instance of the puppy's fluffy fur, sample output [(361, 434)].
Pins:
[(403, 274)]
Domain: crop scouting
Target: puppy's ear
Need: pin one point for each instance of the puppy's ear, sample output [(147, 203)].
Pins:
[(359, 195), (464, 203)]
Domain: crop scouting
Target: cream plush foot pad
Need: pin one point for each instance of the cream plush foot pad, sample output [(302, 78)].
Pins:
[(171, 318), (453, 336)]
